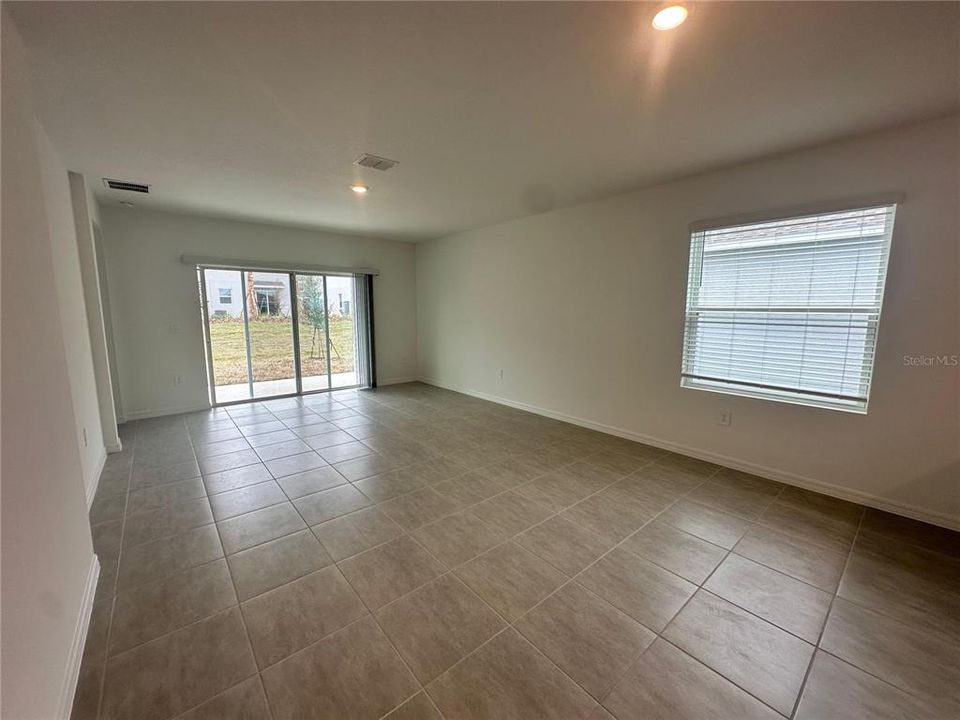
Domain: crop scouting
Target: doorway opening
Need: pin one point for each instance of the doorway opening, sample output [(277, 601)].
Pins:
[(272, 334)]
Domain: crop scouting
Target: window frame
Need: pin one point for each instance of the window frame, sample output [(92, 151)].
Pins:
[(268, 301), (761, 391), (229, 292)]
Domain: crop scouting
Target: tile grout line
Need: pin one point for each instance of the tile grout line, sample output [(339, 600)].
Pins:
[(659, 635), (409, 534), (826, 618), (206, 617), (307, 528), (753, 523), (207, 495), (511, 625), (453, 569), (374, 504), (223, 557), (116, 581), (405, 532), (239, 609), (570, 579), (372, 615), (369, 613), (512, 538), (243, 619), (573, 579)]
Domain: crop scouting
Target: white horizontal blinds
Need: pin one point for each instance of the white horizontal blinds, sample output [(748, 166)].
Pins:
[(788, 309)]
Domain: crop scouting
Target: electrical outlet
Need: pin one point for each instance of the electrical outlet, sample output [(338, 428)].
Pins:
[(173, 328), (500, 373), (178, 379), (725, 419)]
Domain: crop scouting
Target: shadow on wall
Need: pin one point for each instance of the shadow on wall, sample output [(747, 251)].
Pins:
[(538, 198), (930, 483)]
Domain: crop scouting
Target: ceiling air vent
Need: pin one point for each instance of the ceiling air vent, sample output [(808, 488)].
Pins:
[(124, 185), (375, 162)]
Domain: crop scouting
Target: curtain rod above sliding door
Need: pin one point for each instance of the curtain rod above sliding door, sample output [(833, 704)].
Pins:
[(236, 264)]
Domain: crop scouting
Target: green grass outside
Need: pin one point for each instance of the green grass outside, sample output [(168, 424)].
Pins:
[(271, 349)]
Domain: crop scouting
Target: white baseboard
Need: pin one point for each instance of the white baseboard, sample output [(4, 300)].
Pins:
[(115, 448), (91, 489), (838, 491), (145, 414), (72, 673), (396, 381)]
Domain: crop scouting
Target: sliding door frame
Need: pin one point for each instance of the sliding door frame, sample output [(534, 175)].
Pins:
[(207, 340), (326, 331), (294, 315), (246, 330)]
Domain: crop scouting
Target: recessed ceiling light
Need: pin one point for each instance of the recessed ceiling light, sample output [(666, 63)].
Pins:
[(360, 189), (670, 17)]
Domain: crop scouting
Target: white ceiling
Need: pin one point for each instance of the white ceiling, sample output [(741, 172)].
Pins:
[(494, 110)]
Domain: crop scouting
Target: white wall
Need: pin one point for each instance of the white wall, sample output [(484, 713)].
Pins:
[(155, 304), (103, 290), (48, 562), (583, 309), (86, 214), (69, 291)]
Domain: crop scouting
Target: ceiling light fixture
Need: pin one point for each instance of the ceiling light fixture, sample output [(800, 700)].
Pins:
[(670, 17), (360, 189)]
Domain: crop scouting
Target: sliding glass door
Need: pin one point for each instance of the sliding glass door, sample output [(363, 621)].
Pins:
[(270, 327), (272, 334), (343, 331), (314, 338), (226, 330)]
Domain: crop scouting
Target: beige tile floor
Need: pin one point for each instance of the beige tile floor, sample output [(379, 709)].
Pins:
[(415, 553)]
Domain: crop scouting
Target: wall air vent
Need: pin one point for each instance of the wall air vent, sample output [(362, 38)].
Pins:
[(375, 162), (124, 185)]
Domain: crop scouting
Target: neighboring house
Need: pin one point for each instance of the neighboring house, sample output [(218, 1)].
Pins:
[(339, 295), (225, 294), (272, 295)]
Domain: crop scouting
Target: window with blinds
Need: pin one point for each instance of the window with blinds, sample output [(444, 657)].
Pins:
[(789, 309)]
